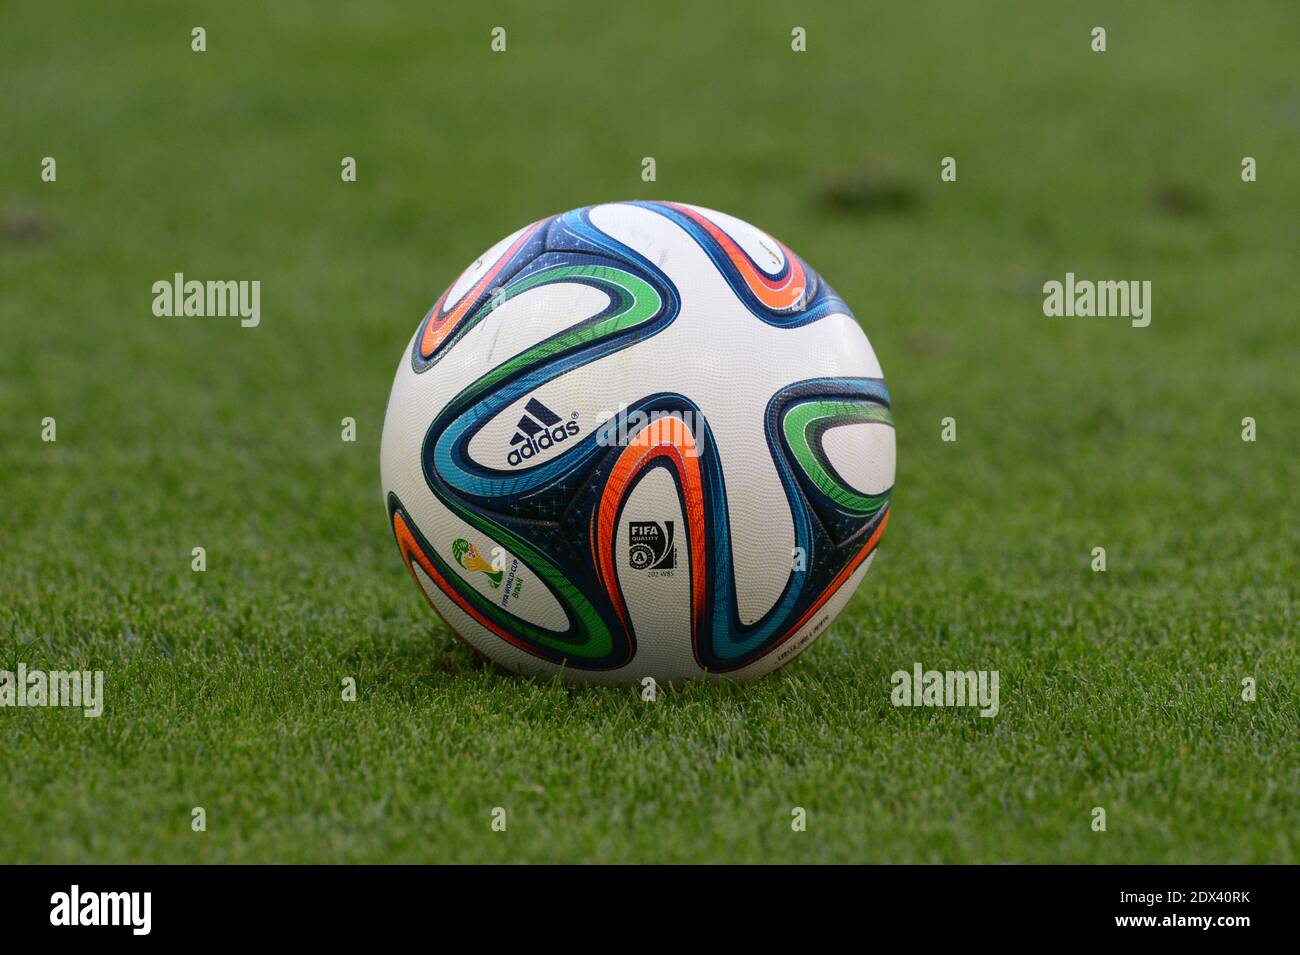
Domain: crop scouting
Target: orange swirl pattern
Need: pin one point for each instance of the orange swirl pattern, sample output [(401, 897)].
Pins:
[(662, 438), (412, 552), (778, 294), (835, 584), (439, 326)]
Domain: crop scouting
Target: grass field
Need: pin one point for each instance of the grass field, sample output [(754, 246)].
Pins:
[(1119, 690)]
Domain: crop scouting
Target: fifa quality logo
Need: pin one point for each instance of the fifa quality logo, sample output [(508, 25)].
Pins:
[(651, 547), (540, 428)]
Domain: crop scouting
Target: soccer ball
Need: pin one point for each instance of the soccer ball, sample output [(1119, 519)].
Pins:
[(641, 439)]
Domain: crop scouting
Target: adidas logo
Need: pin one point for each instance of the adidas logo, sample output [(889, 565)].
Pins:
[(540, 428)]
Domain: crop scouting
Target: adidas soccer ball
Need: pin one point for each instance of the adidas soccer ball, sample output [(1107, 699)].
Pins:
[(635, 440)]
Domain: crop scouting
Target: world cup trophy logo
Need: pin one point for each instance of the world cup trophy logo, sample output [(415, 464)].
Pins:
[(469, 558)]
